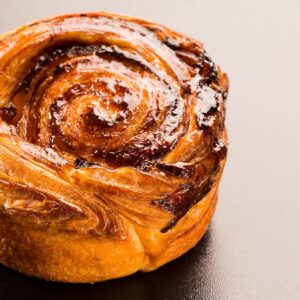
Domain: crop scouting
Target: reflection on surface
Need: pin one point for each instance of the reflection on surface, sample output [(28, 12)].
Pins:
[(189, 277)]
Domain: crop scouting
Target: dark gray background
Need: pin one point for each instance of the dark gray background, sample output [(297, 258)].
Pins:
[(252, 249)]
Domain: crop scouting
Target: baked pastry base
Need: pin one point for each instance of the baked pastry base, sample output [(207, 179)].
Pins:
[(67, 258)]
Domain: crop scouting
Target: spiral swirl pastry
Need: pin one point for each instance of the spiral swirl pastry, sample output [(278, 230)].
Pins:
[(112, 145)]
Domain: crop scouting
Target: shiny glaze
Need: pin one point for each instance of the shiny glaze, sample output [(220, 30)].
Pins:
[(113, 97)]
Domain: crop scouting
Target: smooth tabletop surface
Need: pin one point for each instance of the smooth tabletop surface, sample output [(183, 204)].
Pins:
[(252, 248)]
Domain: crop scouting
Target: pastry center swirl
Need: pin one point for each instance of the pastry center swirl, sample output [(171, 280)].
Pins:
[(99, 104)]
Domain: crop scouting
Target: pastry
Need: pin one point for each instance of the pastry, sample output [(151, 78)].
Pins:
[(112, 145)]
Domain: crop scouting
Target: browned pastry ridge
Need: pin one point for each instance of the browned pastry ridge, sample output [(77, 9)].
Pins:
[(112, 145)]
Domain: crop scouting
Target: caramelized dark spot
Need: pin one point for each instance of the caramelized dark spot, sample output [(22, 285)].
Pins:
[(208, 69), (182, 200), (171, 43), (80, 163), (177, 170), (8, 113), (176, 201)]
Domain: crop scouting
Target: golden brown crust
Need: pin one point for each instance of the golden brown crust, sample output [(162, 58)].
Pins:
[(61, 258), (112, 146)]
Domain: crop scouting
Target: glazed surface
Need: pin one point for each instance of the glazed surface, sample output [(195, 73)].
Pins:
[(106, 117)]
